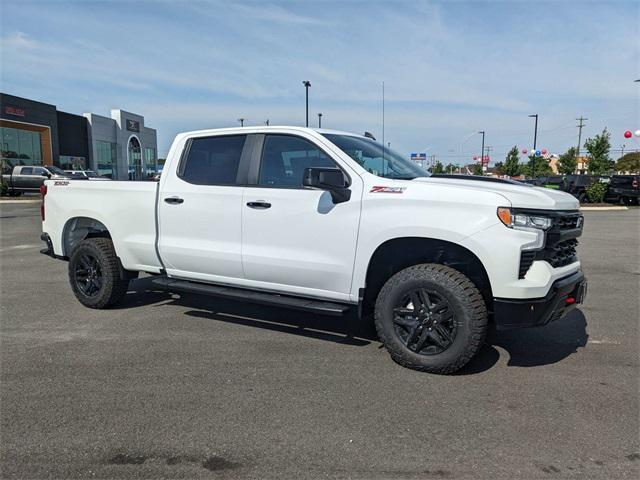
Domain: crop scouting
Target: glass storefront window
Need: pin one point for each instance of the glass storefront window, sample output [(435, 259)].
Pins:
[(20, 147), (106, 159), (151, 163)]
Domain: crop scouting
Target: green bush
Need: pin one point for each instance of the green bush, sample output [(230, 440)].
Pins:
[(596, 192), (4, 188)]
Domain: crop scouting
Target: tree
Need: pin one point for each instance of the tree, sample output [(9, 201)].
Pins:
[(598, 149), (542, 167), (499, 168), (451, 168), (437, 168), (477, 169), (512, 163), (629, 162), (568, 162)]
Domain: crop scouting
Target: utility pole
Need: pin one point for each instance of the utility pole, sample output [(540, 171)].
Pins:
[(319, 119), (482, 154), (580, 125), (535, 142), (241, 120), (307, 84)]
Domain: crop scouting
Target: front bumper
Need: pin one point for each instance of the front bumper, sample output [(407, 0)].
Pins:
[(564, 295)]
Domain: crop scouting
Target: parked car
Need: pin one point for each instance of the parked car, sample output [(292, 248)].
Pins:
[(577, 185), (29, 178), (85, 175), (624, 189), (327, 221)]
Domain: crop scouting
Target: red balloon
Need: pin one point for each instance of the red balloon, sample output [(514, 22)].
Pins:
[(544, 151), (628, 134), (524, 151)]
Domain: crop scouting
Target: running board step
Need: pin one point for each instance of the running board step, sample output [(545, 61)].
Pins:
[(264, 298)]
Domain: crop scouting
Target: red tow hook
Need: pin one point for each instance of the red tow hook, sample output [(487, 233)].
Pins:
[(570, 300)]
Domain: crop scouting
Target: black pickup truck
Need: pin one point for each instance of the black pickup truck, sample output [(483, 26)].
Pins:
[(624, 188), (28, 178)]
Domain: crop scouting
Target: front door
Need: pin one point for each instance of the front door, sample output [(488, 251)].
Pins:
[(200, 210), (294, 236)]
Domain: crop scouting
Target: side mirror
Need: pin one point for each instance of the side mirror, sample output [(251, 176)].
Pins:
[(330, 179), (46, 174)]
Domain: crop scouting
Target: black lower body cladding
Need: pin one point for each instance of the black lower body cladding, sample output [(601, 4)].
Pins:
[(564, 295)]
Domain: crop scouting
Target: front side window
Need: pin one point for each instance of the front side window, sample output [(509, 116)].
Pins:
[(285, 158), (377, 159), (213, 160), (26, 171)]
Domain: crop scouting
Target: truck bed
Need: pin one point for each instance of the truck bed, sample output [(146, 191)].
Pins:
[(127, 209)]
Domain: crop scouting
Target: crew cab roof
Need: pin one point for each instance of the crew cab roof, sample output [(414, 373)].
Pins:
[(265, 129)]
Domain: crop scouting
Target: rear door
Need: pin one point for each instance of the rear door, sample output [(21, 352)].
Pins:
[(199, 210), (294, 238)]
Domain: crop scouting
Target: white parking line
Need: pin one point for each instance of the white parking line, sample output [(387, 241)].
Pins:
[(21, 247), (19, 201)]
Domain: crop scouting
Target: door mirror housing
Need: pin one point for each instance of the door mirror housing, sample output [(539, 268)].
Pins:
[(332, 180), (46, 174)]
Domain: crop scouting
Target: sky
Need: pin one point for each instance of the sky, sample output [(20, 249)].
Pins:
[(450, 69)]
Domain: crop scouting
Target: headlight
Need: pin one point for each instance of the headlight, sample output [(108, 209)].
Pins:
[(523, 221)]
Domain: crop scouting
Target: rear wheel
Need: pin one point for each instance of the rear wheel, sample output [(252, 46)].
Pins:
[(431, 318), (96, 276)]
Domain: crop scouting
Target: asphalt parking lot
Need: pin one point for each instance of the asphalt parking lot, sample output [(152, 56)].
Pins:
[(201, 388)]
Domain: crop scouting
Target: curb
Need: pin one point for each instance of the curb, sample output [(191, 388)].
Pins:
[(595, 209), (19, 201)]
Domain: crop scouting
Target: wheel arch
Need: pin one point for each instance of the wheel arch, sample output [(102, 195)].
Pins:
[(396, 254), (77, 229)]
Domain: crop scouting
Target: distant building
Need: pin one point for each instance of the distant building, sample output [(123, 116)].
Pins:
[(36, 133)]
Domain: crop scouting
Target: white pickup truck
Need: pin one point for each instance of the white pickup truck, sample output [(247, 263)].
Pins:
[(324, 220)]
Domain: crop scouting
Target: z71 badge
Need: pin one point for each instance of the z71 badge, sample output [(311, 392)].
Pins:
[(383, 189), (61, 183)]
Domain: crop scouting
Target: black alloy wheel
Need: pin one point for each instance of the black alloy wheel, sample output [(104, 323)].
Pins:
[(88, 275), (425, 322)]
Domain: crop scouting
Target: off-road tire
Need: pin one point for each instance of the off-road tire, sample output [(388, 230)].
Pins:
[(470, 315), (114, 279)]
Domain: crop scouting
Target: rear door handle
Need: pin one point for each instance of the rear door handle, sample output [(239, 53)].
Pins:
[(174, 200), (260, 204)]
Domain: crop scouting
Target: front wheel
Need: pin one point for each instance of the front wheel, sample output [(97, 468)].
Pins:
[(96, 276), (431, 318)]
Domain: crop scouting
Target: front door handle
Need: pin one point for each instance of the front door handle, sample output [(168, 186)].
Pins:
[(174, 200), (260, 204)]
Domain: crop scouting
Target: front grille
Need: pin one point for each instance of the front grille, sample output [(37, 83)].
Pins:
[(567, 222), (562, 253), (558, 255)]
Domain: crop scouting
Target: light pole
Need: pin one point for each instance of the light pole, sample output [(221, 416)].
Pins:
[(319, 119), (241, 120), (482, 154), (307, 84), (535, 139)]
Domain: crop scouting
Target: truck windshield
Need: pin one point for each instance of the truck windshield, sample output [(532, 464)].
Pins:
[(376, 159)]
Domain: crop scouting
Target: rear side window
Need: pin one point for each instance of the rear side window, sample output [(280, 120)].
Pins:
[(213, 160), (285, 158)]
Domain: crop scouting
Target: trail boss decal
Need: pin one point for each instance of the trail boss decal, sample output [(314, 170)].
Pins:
[(61, 183), (383, 189)]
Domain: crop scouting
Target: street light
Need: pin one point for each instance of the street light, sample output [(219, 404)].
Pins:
[(319, 119), (241, 120), (482, 154), (535, 139), (307, 84)]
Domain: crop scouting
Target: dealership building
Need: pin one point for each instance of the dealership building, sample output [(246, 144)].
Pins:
[(35, 133)]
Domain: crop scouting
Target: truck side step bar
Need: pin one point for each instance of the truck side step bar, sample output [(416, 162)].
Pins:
[(263, 298)]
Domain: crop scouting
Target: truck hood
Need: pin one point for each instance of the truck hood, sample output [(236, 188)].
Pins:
[(520, 196)]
